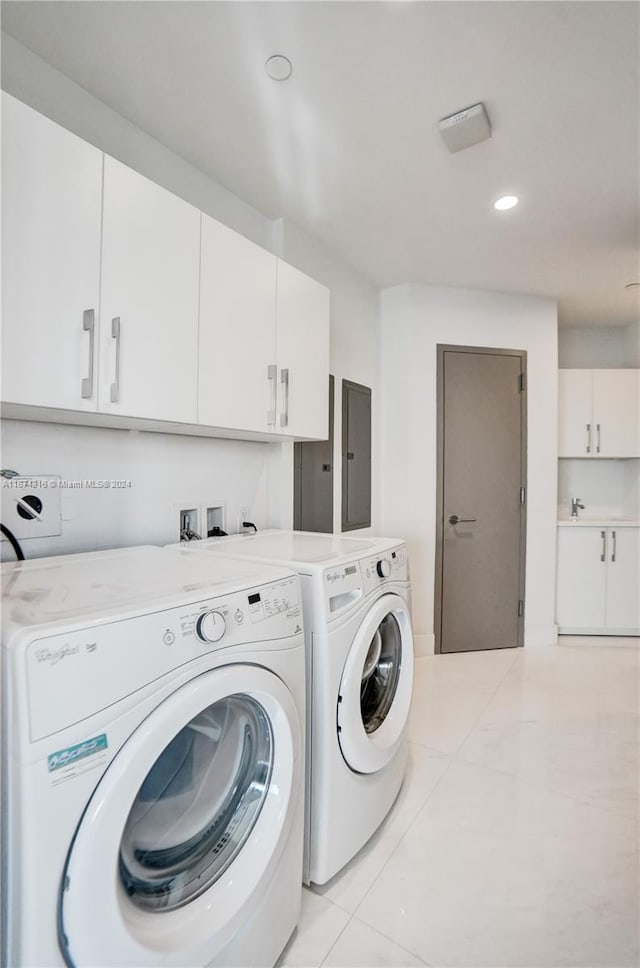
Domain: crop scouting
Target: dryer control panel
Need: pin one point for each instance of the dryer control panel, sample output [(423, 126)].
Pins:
[(75, 673), (391, 565)]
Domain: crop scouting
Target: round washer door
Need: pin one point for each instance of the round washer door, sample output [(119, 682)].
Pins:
[(375, 691), (188, 819)]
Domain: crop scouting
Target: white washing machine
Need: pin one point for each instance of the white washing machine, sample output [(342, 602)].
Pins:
[(153, 760), (357, 600)]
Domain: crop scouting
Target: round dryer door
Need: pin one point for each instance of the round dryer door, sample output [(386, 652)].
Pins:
[(185, 824), (375, 691)]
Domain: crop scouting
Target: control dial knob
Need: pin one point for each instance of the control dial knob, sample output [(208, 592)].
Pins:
[(383, 568), (210, 626)]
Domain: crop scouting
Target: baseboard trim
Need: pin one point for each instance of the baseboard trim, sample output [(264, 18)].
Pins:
[(539, 635), (424, 644)]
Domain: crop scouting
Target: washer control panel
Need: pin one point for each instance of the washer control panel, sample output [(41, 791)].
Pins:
[(211, 626), (75, 673)]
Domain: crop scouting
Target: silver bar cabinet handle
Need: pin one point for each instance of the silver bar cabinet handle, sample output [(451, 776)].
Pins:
[(284, 380), (603, 556), (272, 375), (598, 443), (89, 326), (588, 438), (613, 550), (115, 334)]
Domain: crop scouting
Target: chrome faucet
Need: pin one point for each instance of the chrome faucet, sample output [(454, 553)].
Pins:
[(575, 505)]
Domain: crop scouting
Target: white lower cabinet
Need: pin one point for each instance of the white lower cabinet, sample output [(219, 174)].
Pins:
[(598, 579)]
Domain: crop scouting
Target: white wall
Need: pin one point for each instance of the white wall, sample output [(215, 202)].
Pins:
[(632, 344), (166, 468), (607, 488), (165, 472), (605, 347), (414, 319)]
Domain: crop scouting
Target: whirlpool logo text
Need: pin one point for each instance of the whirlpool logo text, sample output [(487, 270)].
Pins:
[(72, 754), (53, 656)]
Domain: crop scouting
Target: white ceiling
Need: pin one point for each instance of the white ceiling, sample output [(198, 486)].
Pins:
[(349, 149)]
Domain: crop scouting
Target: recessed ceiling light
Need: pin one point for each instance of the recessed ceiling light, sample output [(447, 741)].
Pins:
[(507, 201), (278, 67)]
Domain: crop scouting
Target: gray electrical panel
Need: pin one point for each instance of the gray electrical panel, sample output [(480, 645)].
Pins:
[(313, 480), (356, 456)]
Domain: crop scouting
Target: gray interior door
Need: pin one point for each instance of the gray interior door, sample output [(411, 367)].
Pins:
[(481, 493), (313, 480)]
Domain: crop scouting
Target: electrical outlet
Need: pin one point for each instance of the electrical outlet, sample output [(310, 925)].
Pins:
[(31, 506), (243, 515)]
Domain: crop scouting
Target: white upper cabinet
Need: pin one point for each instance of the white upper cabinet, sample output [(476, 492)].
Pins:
[(149, 299), (599, 413), (302, 351), (237, 381), (574, 413), (51, 199), (119, 298), (264, 340), (616, 412)]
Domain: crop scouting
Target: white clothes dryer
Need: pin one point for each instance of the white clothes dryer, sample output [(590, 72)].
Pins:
[(357, 603), (153, 760)]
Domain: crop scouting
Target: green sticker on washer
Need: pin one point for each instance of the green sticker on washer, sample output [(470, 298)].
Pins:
[(97, 744)]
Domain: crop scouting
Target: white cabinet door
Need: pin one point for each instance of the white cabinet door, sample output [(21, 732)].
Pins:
[(237, 331), (51, 198), (581, 579), (302, 348), (149, 299), (575, 423), (616, 412), (623, 579)]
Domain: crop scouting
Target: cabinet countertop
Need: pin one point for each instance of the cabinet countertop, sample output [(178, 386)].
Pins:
[(598, 523)]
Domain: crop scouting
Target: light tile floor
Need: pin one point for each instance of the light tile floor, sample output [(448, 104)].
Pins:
[(514, 841)]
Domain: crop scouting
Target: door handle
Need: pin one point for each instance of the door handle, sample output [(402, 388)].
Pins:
[(598, 443), (89, 326), (613, 550), (454, 519), (588, 438), (115, 334), (603, 556)]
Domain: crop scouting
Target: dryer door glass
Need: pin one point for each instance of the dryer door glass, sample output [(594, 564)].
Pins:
[(197, 805), (380, 673)]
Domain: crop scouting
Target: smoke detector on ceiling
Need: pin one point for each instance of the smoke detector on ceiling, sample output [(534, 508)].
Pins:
[(278, 67), (465, 128)]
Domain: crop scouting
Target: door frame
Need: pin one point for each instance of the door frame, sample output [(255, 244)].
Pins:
[(443, 348)]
